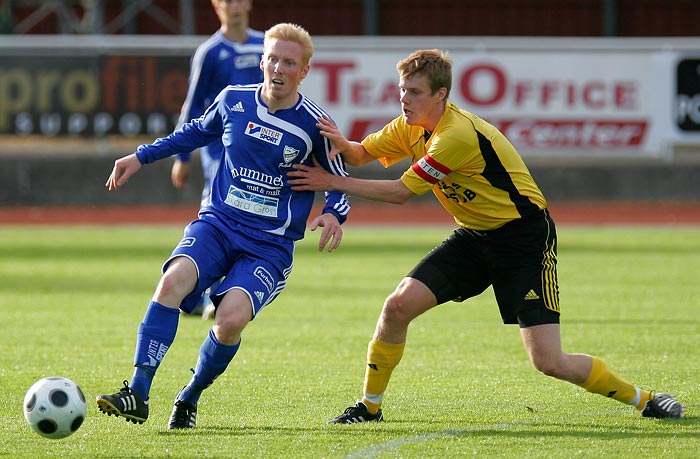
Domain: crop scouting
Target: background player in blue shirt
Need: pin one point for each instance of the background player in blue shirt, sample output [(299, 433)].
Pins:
[(230, 56), (246, 232)]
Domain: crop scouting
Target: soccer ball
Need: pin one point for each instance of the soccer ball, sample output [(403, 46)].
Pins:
[(54, 407)]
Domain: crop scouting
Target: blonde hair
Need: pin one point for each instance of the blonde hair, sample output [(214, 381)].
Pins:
[(431, 63), (291, 32)]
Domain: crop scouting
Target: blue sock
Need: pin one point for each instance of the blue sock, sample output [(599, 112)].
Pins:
[(214, 357), (156, 334)]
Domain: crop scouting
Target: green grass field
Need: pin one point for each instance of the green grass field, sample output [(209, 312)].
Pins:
[(71, 299)]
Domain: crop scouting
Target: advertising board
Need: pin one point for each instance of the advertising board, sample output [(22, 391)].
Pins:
[(551, 97)]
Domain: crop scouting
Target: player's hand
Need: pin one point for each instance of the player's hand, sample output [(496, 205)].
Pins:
[(308, 178), (330, 131), (180, 174), (124, 168), (332, 233)]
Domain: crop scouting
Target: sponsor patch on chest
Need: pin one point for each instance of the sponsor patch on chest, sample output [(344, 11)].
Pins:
[(263, 133), (246, 61), (253, 203)]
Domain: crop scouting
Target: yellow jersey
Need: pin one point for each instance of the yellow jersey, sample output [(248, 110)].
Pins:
[(473, 170)]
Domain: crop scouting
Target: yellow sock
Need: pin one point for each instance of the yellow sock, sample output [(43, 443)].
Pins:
[(382, 358), (602, 380)]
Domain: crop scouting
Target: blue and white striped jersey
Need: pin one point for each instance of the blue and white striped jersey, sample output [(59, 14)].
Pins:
[(251, 186), (217, 63)]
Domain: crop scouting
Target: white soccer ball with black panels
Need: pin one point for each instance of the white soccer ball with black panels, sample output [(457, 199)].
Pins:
[(55, 407)]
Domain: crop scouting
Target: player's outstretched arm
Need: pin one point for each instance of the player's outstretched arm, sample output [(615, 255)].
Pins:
[(308, 178), (353, 153), (332, 232), (124, 168)]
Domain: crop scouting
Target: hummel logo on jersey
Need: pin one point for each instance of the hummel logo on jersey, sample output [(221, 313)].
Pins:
[(238, 107), (187, 242), (531, 295)]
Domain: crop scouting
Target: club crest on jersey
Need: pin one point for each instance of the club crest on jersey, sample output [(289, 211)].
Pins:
[(223, 55), (288, 154), (263, 133)]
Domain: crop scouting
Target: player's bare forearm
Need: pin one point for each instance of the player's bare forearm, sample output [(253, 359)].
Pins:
[(353, 153), (389, 191), (356, 155), (307, 178)]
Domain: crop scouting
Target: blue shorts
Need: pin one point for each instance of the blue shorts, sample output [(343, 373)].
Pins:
[(256, 262)]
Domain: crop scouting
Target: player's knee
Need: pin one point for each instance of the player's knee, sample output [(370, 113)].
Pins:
[(174, 284), (179, 279), (547, 366), (230, 322), (396, 308), (228, 332), (409, 300)]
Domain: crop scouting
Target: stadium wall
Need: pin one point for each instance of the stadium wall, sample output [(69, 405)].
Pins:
[(61, 180)]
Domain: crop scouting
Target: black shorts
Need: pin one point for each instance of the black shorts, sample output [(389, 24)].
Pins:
[(519, 260)]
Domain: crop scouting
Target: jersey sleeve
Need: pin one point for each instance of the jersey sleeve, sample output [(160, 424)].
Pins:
[(389, 145), (336, 203), (190, 136), (446, 153)]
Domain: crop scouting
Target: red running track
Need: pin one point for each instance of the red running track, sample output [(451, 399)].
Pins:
[(618, 213)]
